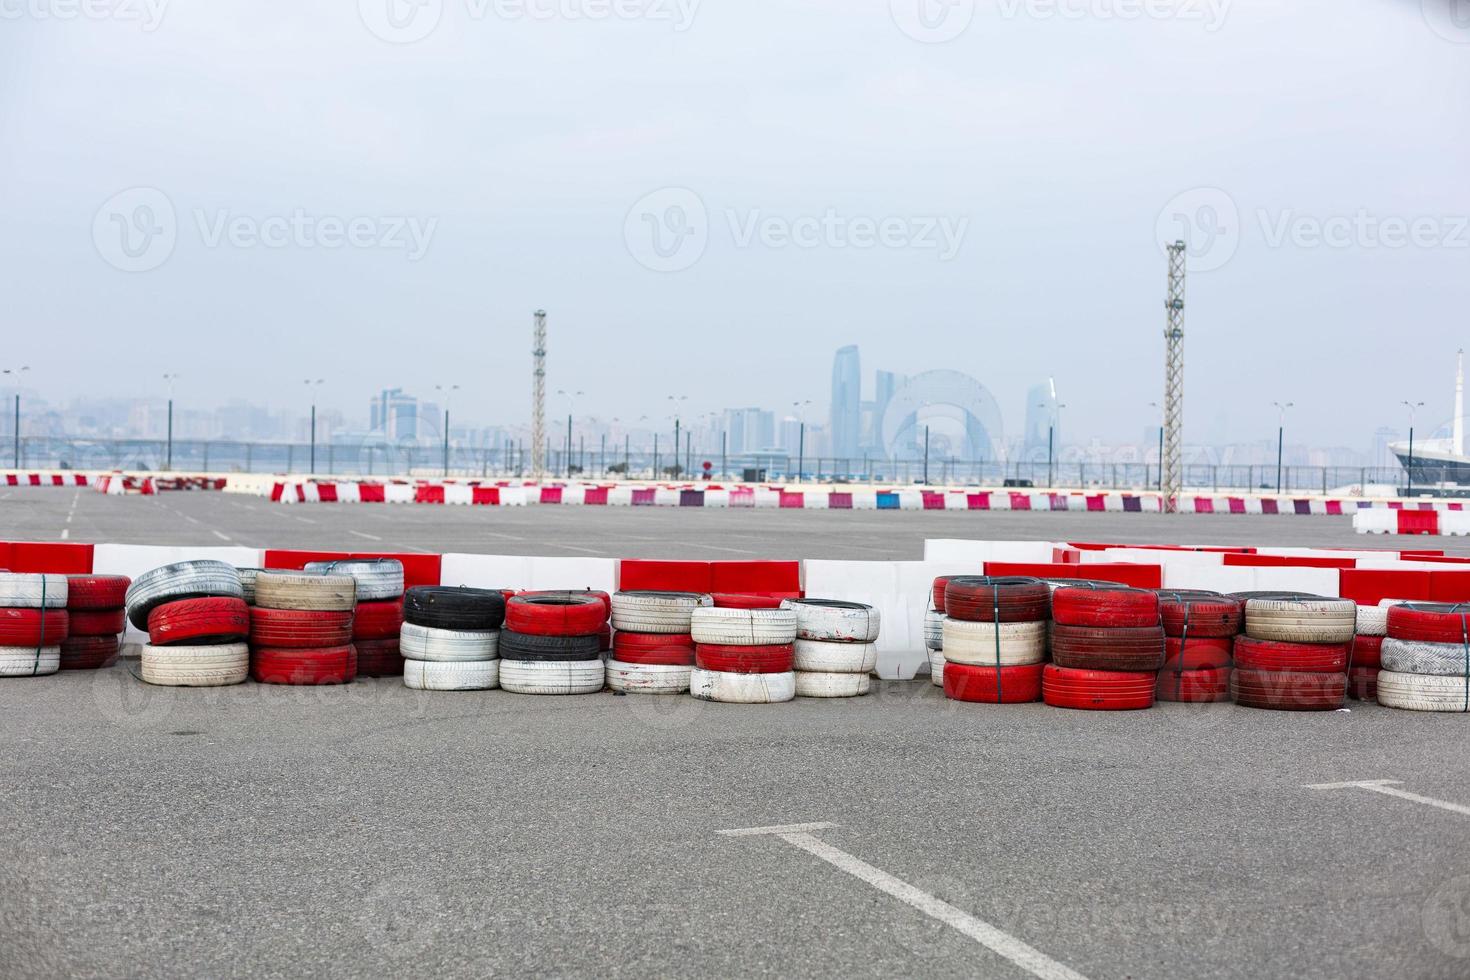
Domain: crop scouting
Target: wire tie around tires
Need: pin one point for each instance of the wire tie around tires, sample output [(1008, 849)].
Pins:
[(41, 640), (1179, 667), (995, 616), (1465, 645)]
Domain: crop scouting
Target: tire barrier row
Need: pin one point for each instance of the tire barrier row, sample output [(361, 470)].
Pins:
[(512, 494), (34, 622)]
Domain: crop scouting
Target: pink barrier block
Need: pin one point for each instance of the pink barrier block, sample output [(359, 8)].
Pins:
[(485, 495), (932, 500), (428, 495), (1020, 501), (595, 496), (326, 493), (1204, 505), (643, 496), (1237, 505), (371, 493), (793, 499), (1095, 502), (978, 501), (551, 495), (839, 501)]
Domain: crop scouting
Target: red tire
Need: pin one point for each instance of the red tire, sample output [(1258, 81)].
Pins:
[(1113, 608), (653, 648), (377, 620), (1127, 649), (1096, 690), (989, 685), (1299, 658), (1430, 622), (203, 621), (1362, 683), (89, 652), (772, 658), (378, 658), (96, 591), (597, 594), (328, 665), (1288, 691), (33, 627), (1364, 651), (300, 629), (937, 591), (1204, 653), (1194, 615), (556, 614), (1193, 686), (98, 622), (989, 599), (741, 600)]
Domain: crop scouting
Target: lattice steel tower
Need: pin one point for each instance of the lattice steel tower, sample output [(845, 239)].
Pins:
[(538, 395), (1171, 465)]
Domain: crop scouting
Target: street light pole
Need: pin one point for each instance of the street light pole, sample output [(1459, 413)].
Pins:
[(449, 391), (17, 372), (571, 397), (311, 387), (800, 407), (1413, 406), (169, 454), (1281, 438)]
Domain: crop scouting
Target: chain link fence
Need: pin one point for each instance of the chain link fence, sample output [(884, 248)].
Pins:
[(374, 457)]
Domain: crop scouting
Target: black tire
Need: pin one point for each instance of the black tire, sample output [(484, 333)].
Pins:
[(525, 646), (454, 608)]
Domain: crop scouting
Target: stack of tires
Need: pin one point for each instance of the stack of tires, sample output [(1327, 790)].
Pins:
[(1107, 648), (33, 623), (191, 612), (652, 648), (1200, 630), (378, 618), (301, 628), (450, 639), (1426, 658), (934, 630), (743, 656), (552, 643), (94, 606), (994, 636), (1294, 654), (1365, 654), (836, 647)]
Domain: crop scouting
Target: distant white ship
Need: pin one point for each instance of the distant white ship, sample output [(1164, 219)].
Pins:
[(1440, 462)]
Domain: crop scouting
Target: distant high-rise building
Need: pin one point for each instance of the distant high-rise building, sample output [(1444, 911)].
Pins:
[(885, 383), (1041, 408), (394, 414), (847, 397), (749, 430)]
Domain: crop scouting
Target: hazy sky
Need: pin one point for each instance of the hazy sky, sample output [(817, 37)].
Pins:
[(710, 196)]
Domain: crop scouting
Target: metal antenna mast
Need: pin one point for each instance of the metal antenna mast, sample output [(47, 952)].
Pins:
[(1171, 464), (538, 396)]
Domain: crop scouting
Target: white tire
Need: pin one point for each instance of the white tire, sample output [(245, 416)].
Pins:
[(1420, 657), (181, 580), (552, 676), (832, 619), (934, 630), (648, 678), (655, 612), (429, 643), (819, 684), (377, 578), (247, 584), (1423, 692), (29, 661), (1309, 619), (196, 666), (300, 590), (439, 675), (715, 685), (743, 627), (936, 668), (1372, 621), (818, 656), (1016, 644), (19, 590)]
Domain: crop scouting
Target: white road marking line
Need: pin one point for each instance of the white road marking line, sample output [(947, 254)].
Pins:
[(65, 533), (714, 547), (304, 520), (572, 547), (1028, 958), (222, 537), (362, 534), (1386, 787)]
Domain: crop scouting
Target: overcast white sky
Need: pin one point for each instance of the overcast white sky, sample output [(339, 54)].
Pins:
[(519, 137)]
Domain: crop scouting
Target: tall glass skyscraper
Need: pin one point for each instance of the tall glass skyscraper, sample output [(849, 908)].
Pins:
[(847, 403)]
